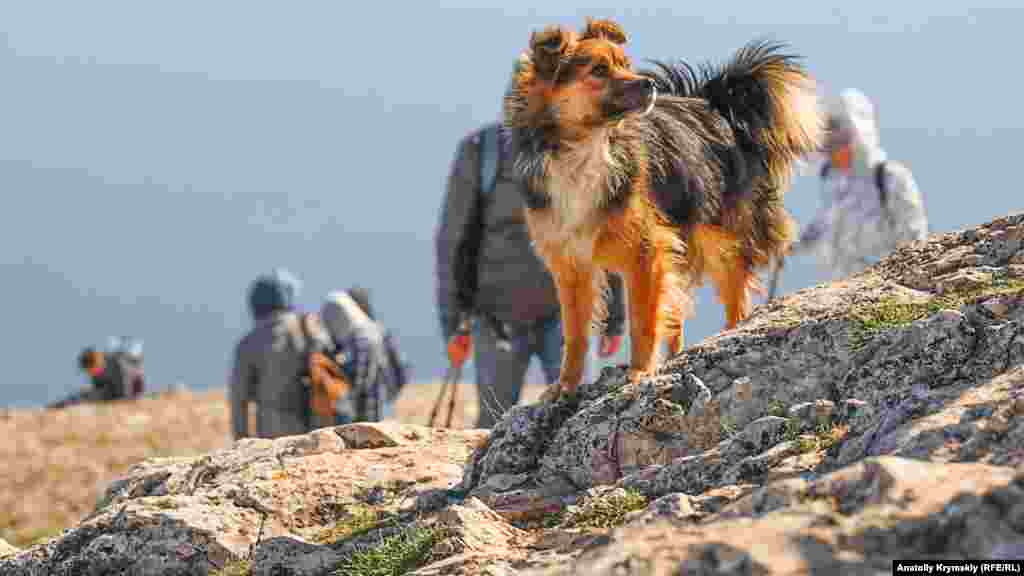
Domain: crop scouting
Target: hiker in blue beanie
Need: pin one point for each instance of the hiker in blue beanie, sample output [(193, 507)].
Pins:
[(270, 360)]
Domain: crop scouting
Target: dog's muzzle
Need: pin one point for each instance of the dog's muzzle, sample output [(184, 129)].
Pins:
[(638, 96)]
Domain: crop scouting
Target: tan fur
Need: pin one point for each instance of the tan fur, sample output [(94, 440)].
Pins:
[(581, 241)]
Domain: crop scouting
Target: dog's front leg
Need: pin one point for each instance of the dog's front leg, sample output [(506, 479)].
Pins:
[(576, 295), (646, 289), (677, 340)]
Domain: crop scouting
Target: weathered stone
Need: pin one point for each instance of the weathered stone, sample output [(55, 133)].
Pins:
[(6, 549), (855, 521), (763, 433), (184, 515)]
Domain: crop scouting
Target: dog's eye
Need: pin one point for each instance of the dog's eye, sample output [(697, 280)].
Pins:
[(599, 71)]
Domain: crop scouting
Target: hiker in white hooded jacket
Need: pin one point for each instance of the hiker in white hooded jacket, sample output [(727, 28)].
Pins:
[(871, 204)]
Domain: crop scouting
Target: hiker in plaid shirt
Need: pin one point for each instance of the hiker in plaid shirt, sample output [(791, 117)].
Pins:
[(365, 360)]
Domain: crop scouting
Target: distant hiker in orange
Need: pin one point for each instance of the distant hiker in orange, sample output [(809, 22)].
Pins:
[(114, 374)]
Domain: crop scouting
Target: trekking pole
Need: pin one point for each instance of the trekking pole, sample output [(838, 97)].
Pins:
[(451, 399), (451, 378), (440, 398)]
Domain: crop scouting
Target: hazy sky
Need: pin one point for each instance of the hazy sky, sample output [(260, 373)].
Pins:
[(155, 158)]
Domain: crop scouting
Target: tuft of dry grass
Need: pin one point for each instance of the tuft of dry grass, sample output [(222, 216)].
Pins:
[(395, 555), (605, 512), (824, 438), (870, 320), (58, 462), (241, 567)]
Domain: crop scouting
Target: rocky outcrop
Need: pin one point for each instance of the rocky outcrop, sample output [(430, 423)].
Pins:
[(835, 430), (853, 521), (270, 501)]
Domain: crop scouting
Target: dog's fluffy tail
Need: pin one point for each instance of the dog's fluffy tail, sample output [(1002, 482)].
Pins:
[(766, 96)]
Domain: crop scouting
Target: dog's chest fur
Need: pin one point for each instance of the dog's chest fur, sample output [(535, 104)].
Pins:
[(576, 182)]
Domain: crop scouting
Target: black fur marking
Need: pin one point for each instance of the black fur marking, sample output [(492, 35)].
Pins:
[(534, 198), (527, 147), (680, 194), (737, 94), (684, 170)]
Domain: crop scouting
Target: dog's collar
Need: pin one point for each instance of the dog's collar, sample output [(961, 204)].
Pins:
[(619, 116), (654, 99)]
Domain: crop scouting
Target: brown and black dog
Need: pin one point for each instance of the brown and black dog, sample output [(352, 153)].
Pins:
[(666, 176)]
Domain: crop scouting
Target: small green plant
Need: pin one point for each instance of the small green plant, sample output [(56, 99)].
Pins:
[(241, 567), (806, 443), (829, 436), (892, 313), (824, 438), (606, 512), (360, 520), (776, 408), (395, 555), (871, 319), (728, 426), (791, 430), (553, 519)]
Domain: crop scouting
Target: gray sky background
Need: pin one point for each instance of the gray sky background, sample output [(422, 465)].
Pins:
[(155, 157)]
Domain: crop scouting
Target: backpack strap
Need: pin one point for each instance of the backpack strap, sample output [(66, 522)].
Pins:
[(306, 335), (489, 159), (883, 194), (398, 364), (466, 260), (305, 376)]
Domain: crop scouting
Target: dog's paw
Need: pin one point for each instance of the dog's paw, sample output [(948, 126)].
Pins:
[(551, 393), (635, 375)]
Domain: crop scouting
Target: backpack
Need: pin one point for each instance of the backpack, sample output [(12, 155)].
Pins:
[(883, 193), (399, 364), (323, 380)]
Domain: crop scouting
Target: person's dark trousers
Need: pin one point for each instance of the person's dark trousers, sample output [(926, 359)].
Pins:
[(500, 373)]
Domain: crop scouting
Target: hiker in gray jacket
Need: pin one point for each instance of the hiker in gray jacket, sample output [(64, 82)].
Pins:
[(487, 270), (270, 360)]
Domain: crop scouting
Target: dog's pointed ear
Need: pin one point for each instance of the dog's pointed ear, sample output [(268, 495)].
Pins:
[(548, 47), (606, 29)]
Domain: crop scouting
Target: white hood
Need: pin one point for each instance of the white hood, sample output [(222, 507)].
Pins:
[(853, 116), (343, 317)]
